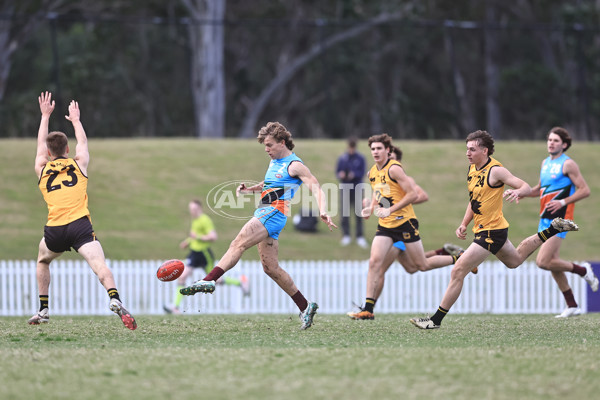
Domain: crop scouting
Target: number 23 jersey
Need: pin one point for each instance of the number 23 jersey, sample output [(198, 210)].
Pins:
[(64, 188)]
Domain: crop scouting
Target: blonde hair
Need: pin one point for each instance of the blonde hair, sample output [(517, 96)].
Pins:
[(278, 132)]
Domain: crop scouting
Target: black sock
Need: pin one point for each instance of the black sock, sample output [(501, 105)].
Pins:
[(113, 294), (43, 301), (548, 233), (370, 304), (439, 315)]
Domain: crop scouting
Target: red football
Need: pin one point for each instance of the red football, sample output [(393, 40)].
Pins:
[(170, 270)]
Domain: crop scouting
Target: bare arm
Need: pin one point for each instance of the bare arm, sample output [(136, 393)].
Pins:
[(461, 231), (243, 189), (407, 184), (520, 188), (46, 108), (301, 171), (209, 237), (422, 195), (82, 154), (368, 206)]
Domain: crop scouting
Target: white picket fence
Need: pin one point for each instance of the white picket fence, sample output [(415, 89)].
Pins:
[(334, 285)]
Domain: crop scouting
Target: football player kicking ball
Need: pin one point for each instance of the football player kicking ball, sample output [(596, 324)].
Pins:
[(284, 176), (485, 181)]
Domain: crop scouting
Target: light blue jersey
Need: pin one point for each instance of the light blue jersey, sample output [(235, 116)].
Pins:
[(279, 187)]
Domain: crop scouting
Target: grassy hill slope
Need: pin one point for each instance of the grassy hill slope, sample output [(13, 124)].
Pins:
[(139, 190)]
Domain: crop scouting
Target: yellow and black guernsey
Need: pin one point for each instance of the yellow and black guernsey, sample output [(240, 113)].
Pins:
[(486, 200), (387, 193), (64, 188)]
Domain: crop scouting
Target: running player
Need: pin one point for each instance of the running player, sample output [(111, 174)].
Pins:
[(485, 181), (393, 195), (561, 184)]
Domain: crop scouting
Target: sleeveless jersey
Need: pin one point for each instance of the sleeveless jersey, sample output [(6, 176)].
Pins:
[(64, 188), (387, 193), (555, 186), (279, 187), (486, 200)]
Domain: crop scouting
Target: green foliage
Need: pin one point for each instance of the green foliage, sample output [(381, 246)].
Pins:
[(133, 69), (527, 84), (268, 357), (139, 191)]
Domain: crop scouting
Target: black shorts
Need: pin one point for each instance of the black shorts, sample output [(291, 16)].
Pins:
[(200, 259), (408, 232), (492, 240), (74, 234)]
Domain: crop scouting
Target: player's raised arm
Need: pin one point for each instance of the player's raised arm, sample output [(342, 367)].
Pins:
[(82, 154), (46, 108)]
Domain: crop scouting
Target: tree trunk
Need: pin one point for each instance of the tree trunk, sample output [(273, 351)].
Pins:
[(207, 40), (492, 84), (14, 31), (7, 47), (464, 109)]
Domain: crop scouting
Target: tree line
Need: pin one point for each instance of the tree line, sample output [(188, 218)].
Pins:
[(329, 68)]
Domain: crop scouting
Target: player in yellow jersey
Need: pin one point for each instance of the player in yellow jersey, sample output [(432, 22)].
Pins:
[(394, 192), (485, 181), (63, 183)]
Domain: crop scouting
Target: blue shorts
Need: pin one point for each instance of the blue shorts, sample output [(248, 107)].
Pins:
[(545, 224), (400, 245), (273, 219)]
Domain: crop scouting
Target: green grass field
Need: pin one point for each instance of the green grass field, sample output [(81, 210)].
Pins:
[(139, 190), (268, 357)]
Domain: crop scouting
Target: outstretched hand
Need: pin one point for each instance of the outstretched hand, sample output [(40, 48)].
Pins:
[(511, 195), (46, 103), (74, 113), (327, 219), (240, 189)]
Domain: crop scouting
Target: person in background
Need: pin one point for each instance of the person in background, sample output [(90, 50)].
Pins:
[(350, 170), (202, 234), (560, 186)]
